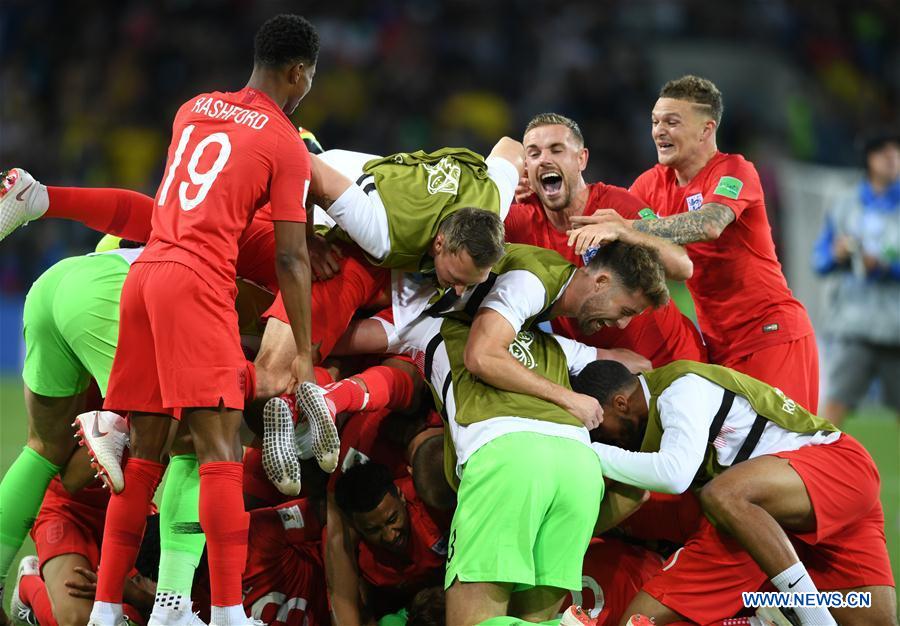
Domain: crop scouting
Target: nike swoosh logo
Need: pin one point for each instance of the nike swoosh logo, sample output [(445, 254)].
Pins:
[(95, 431), (791, 585), (22, 193)]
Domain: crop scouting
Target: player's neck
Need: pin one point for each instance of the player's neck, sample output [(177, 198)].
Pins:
[(561, 220), (686, 172), (264, 81)]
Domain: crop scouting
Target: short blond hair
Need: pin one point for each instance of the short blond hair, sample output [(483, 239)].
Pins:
[(698, 90), (478, 232)]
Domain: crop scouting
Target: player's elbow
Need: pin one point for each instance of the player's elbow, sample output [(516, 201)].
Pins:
[(713, 230), (475, 359), (290, 261), (683, 270)]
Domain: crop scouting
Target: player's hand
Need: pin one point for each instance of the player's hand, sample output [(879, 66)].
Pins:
[(523, 190), (85, 586), (585, 408), (323, 258), (604, 226), (630, 359)]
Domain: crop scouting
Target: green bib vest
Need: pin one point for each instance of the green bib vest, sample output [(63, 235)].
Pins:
[(770, 404), (548, 266), (420, 190), (477, 401)]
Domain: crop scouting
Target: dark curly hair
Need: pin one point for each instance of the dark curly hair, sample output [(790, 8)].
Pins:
[(285, 39), (362, 488)]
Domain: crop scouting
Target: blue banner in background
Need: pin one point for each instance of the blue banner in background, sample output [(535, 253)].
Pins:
[(12, 345)]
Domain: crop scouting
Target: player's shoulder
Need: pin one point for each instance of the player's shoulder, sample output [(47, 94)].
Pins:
[(651, 180), (606, 196), (725, 161)]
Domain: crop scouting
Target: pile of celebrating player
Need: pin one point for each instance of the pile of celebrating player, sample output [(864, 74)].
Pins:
[(463, 392)]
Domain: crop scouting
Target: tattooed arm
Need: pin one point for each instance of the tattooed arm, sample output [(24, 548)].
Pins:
[(704, 224)]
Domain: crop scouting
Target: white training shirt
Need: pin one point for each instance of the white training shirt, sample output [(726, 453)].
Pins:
[(686, 409)]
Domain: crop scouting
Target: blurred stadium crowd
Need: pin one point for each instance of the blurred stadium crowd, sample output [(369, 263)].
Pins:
[(400, 74)]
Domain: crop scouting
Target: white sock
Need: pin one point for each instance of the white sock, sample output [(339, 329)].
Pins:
[(169, 605), (106, 614), (228, 616), (796, 579)]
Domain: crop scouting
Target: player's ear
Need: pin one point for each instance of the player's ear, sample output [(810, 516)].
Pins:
[(602, 280), (583, 159), (295, 73), (620, 403), (438, 244)]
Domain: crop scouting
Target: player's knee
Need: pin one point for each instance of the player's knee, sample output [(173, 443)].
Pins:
[(55, 452), (72, 614), (718, 499)]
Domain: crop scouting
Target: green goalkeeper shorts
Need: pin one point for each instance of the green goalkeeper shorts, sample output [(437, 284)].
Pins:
[(526, 511), (71, 325)]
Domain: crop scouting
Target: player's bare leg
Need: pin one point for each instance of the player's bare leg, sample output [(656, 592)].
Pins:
[(68, 610), (22, 487), (50, 431), (366, 336), (755, 502), (472, 603), (835, 412), (273, 362), (537, 604), (882, 611), (645, 604)]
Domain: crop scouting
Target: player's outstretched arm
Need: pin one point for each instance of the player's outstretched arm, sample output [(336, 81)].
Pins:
[(607, 225), (487, 357), (292, 269), (705, 224), (341, 572)]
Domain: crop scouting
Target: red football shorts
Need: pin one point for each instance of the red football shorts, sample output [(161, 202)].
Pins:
[(65, 526), (178, 344), (793, 367), (703, 581)]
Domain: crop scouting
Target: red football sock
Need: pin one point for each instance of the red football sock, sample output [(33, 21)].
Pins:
[(323, 376), (388, 388), (225, 523), (126, 519), (250, 382), (34, 594), (118, 212)]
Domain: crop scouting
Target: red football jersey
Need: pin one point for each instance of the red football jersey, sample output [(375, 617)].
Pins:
[(742, 299), (662, 335), (231, 154), (284, 581), (613, 573), (363, 439), (426, 551)]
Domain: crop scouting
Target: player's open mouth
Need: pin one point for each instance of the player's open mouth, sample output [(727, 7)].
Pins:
[(551, 182), (662, 146)]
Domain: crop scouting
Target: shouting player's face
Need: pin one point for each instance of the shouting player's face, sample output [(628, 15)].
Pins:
[(456, 270), (387, 525), (681, 131), (554, 160), (608, 304)]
